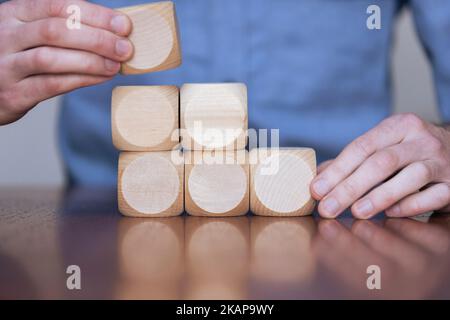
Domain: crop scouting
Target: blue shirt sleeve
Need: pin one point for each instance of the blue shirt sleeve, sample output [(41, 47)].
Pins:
[(432, 19)]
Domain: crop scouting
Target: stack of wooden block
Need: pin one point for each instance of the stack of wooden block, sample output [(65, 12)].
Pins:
[(208, 173)]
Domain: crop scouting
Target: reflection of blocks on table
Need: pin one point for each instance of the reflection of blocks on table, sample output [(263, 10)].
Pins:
[(217, 257), (217, 183), (141, 275), (293, 265), (141, 240), (280, 179), (154, 37), (145, 118), (151, 184), (213, 116)]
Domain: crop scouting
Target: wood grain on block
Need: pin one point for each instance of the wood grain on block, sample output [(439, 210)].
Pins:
[(280, 180), (150, 184), (214, 116), (295, 263), (154, 36), (216, 183), (145, 118), (141, 275), (217, 257)]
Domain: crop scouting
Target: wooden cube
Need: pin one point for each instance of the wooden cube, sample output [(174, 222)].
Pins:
[(150, 184), (145, 118), (214, 116), (217, 183), (280, 180), (155, 38)]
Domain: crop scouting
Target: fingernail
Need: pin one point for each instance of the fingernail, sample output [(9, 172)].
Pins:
[(321, 187), (111, 65), (120, 24), (123, 48), (328, 230), (330, 207), (393, 211), (363, 208)]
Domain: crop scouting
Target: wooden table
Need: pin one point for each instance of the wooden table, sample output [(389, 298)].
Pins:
[(42, 232)]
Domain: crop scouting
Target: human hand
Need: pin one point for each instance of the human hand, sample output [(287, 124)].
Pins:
[(40, 57), (401, 166)]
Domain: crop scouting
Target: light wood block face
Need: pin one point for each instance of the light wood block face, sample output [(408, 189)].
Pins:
[(214, 116), (154, 36), (150, 184), (145, 118), (217, 183), (280, 180)]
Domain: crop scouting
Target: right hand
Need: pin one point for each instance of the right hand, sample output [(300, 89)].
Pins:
[(40, 57)]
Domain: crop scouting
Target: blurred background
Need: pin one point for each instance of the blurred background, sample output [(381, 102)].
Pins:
[(29, 147)]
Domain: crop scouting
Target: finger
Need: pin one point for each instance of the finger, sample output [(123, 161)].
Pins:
[(374, 170), (52, 32), (431, 237), (323, 166), (39, 88), (388, 132), (387, 244), (45, 60), (432, 198), (406, 182), (90, 14)]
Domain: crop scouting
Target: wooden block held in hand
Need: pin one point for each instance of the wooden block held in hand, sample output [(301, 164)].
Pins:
[(150, 184), (214, 116), (154, 37), (280, 180), (217, 183), (145, 118)]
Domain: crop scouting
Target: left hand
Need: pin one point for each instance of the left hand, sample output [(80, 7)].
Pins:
[(402, 167)]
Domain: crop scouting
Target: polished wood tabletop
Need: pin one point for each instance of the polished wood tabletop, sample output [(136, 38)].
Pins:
[(44, 231)]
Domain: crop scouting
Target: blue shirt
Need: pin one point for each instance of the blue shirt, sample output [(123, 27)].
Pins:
[(312, 67)]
